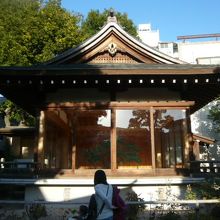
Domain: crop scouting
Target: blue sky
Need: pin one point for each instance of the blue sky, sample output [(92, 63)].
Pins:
[(172, 17)]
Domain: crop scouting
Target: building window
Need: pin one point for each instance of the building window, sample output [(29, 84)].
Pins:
[(93, 139), (164, 45), (116, 138), (175, 48), (133, 138), (169, 130)]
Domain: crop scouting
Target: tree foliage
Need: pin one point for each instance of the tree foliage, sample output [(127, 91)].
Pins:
[(15, 114), (96, 20), (33, 31), (214, 115), (140, 119)]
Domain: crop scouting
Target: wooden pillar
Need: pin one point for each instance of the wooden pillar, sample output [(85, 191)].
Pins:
[(196, 149), (113, 141), (41, 139), (72, 139), (188, 139), (73, 133), (65, 149), (153, 157)]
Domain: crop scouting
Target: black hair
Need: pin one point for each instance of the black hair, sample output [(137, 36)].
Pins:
[(100, 177)]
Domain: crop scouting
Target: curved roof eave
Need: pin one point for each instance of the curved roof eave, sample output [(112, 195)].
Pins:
[(118, 30)]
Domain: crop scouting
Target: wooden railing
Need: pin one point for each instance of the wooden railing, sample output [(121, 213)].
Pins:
[(18, 165), (19, 169), (199, 167), (205, 167)]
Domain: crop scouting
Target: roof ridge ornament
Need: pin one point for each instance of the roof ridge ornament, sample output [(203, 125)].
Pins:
[(112, 49), (112, 17)]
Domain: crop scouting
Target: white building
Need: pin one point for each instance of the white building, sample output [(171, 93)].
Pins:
[(200, 52), (148, 36), (206, 51), (169, 48)]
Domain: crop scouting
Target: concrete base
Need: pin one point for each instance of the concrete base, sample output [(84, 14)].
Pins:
[(79, 190)]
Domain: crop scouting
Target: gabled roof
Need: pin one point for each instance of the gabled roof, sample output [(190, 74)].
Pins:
[(111, 59), (113, 45)]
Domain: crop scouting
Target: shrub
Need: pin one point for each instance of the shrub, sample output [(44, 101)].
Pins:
[(134, 209), (36, 211)]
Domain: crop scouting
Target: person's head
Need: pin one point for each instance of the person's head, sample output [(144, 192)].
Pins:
[(100, 177)]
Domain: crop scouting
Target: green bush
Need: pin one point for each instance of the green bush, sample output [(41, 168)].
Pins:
[(36, 211), (134, 209), (170, 216)]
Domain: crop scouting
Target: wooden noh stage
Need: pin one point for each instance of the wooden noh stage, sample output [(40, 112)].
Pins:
[(112, 103)]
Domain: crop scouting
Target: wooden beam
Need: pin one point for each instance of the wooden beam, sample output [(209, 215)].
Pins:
[(121, 105), (203, 139), (156, 72), (52, 116)]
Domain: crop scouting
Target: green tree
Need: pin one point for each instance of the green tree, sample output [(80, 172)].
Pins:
[(96, 20), (15, 114), (33, 31), (214, 115)]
